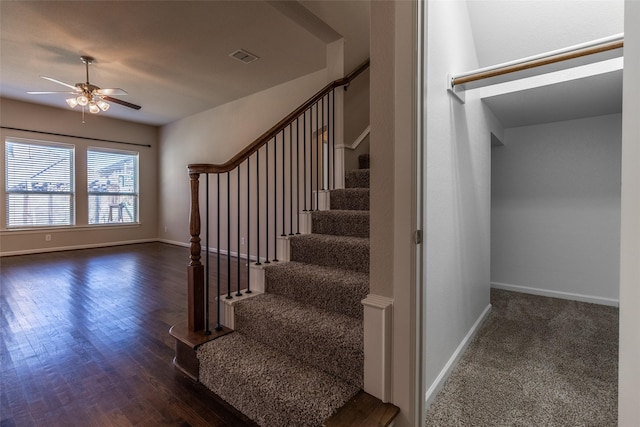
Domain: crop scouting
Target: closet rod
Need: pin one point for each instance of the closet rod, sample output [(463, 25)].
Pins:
[(577, 51), (74, 136)]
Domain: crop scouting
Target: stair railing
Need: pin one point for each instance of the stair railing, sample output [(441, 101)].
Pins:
[(282, 173)]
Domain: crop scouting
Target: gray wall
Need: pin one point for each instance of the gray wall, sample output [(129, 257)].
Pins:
[(556, 209)]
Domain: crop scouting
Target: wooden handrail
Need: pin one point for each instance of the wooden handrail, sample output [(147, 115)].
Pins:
[(268, 135)]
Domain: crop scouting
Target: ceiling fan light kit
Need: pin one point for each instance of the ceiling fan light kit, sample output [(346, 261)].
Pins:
[(88, 95)]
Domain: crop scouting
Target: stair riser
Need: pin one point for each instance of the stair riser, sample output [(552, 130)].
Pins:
[(340, 225), (315, 346), (350, 199), (343, 294), (267, 386), (358, 178), (340, 255)]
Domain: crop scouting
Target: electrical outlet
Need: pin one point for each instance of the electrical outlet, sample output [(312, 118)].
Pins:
[(47, 237), (242, 240), (165, 229)]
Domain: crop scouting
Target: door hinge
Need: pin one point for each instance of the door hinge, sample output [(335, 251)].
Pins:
[(417, 237)]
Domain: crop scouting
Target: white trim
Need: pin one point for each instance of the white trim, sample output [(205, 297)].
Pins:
[(305, 222), (557, 294), (433, 390), (358, 140), (322, 197), (377, 346), (227, 309), (75, 247), (283, 248)]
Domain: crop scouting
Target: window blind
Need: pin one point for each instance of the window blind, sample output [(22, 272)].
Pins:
[(39, 184), (112, 185)]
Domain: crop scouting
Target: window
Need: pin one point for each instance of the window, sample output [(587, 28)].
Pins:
[(112, 184), (39, 184)]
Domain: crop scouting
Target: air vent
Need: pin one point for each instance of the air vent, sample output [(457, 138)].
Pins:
[(244, 56)]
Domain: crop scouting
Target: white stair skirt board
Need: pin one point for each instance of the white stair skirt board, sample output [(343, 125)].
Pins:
[(556, 294), (227, 310), (256, 280), (305, 222), (434, 388), (377, 346), (256, 277), (283, 248), (322, 199)]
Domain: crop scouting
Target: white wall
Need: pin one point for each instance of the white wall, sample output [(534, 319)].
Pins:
[(457, 195), (23, 115), (214, 136), (555, 220), (629, 368)]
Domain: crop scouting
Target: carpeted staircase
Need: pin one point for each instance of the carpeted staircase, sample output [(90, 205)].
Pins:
[(296, 355)]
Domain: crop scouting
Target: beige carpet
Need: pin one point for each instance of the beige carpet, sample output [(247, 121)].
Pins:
[(537, 361)]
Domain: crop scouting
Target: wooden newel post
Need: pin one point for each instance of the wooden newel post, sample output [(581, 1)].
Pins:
[(195, 270)]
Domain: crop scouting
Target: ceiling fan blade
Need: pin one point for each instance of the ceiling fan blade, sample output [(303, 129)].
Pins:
[(113, 91), (59, 82), (47, 93), (121, 102)]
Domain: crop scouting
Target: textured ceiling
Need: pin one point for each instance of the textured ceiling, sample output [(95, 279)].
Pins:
[(172, 57)]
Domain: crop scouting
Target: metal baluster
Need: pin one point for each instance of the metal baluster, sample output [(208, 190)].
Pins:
[(311, 154), (283, 190), (238, 294), (321, 143), (248, 291), (266, 259), (206, 265), (218, 247), (304, 160), (229, 296), (291, 178), (275, 196), (258, 208), (333, 135), (298, 173), (317, 161)]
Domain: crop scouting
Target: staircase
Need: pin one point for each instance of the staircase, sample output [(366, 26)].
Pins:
[(296, 355)]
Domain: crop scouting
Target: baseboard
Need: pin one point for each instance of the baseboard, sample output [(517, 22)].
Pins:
[(173, 242), (435, 387), (76, 247), (556, 294)]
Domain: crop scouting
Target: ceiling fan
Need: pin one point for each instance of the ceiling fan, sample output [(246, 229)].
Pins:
[(88, 95)]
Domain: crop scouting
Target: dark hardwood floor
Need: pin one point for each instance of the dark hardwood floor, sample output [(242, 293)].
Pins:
[(85, 340)]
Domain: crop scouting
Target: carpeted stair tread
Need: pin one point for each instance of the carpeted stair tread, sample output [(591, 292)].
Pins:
[(341, 222), (268, 386), (349, 253), (357, 178), (325, 340), (329, 288), (350, 199)]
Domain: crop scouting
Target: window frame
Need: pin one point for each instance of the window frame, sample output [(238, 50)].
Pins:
[(135, 194), (72, 193)]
